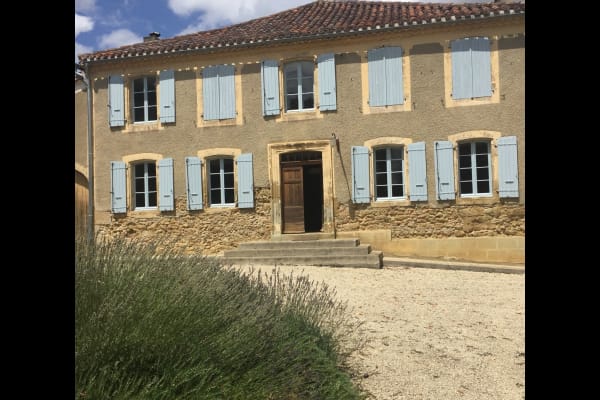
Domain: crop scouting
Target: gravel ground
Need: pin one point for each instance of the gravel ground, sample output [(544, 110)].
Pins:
[(434, 334)]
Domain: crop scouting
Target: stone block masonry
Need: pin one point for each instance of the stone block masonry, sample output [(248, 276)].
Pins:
[(204, 232), (427, 222), (412, 230)]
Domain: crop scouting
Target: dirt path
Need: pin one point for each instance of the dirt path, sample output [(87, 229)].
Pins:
[(435, 334)]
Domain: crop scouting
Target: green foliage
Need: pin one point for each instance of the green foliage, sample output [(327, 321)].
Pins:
[(153, 324)]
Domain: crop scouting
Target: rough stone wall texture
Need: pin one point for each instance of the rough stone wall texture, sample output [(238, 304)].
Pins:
[(426, 222), (203, 232)]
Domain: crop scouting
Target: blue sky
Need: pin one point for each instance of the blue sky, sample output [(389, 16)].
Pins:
[(103, 24)]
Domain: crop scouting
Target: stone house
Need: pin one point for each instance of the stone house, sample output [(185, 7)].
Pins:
[(402, 124)]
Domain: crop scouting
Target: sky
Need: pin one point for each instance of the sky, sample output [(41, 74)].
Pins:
[(104, 24)]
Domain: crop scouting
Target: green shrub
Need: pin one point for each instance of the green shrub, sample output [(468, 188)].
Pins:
[(153, 324)]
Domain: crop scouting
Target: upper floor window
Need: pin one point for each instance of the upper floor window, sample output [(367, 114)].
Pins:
[(144, 177), (474, 165), (144, 104), (218, 92), (300, 90), (471, 68), (389, 173), (221, 182), (385, 76), (143, 100), (299, 86)]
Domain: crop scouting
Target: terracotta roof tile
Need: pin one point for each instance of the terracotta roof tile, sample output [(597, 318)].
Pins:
[(313, 20)]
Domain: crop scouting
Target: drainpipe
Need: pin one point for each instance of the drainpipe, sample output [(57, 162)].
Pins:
[(90, 148)]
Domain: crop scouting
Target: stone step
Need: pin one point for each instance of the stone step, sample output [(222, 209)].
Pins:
[(303, 236), (291, 251), (288, 244), (371, 260)]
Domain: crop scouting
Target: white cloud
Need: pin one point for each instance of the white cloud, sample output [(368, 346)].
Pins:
[(83, 24), (215, 14), (85, 5), (117, 38)]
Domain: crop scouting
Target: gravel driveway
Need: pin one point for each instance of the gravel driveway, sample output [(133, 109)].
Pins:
[(434, 334)]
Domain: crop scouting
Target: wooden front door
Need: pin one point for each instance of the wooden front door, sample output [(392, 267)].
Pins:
[(292, 199)]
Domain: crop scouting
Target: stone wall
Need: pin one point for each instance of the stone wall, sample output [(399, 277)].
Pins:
[(205, 232), (499, 219)]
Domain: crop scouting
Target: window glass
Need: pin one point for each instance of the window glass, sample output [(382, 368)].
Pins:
[(389, 172), (474, 168), (299, 86)]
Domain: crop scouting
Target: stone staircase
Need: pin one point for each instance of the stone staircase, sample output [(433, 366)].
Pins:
[(305, 250)]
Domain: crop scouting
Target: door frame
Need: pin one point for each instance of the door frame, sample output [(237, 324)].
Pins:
[(294, 165), (274, 150)]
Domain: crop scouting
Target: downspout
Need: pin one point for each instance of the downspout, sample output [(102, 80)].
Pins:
[(90, 148)]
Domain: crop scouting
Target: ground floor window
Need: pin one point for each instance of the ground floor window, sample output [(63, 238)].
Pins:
[(389, 173), (145, 185), (474, 168), (221, 182)]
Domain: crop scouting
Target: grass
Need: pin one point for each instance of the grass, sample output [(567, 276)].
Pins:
[(166, 326)]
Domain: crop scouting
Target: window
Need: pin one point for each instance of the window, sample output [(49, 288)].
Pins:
[(145, 185), (150, 184), (299, 86), (221, 182), (389, 173), (218, 92), (220, 167), (474, 168), (379, 171), (144, 99), (385, 76), (465, 162), (471, 68), (143, 104)]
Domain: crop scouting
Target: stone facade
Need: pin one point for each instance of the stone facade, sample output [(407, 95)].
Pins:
[(426, 222), (202, 232)]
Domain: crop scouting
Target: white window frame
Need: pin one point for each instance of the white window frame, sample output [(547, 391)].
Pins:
[(297, 65), (221, 175), (389, 172), (145, 106), (473, 168), (146, 191)]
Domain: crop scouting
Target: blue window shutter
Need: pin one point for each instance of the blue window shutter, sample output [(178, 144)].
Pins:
[(327, 96), (360, 174), (226, 91), (508, 169), (193, 176), (270, 87), (377, 82), (393, 75), (118, 186), (462, 71), (116, 112), (165, 185), (444, 170), (245, 181), (417, 171), (167, 96), (482, 67), (210, 93)]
